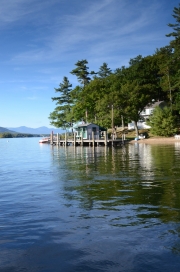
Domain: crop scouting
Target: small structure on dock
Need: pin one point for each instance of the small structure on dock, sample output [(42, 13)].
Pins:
[(89, 130), (84, 135)]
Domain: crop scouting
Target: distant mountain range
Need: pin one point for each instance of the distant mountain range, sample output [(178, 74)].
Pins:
[(2, 130), (40, 130)]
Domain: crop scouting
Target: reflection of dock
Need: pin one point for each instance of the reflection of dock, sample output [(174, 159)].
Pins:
[(79, 141)]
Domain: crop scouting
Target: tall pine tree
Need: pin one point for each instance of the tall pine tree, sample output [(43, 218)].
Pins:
[(82, 73), (176, 26), (104, 70), (60, 117)]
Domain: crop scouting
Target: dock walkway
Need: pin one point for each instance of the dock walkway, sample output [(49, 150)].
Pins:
[(74, 141)]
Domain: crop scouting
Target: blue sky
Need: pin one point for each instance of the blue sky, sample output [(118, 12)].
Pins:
[(42, 40)]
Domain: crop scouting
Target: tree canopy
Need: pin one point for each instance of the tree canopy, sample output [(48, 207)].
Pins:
[(126, 90), (163, 122), (60, 117)]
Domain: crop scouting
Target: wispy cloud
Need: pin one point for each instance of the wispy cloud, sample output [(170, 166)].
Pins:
[(102, 27), (42, 40), (13, 11)]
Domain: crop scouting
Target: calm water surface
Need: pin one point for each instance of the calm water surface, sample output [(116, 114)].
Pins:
[(85, 209)]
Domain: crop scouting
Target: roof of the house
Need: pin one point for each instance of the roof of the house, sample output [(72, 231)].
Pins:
[(88, 124), (153, 105), (85, 125)]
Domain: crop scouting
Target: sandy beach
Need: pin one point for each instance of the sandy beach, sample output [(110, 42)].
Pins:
[(157, 140)]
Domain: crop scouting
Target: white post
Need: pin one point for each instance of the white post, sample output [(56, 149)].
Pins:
[(105, 138), (93, 142), (82, 138), (65, 139), (74, 138), (57, 140), (51, 140)]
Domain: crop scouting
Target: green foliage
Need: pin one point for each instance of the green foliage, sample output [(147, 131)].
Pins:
[(65, 93), (104, 71), (81, 71), (168, 73), (61, 117), (176, 26), (163, 122), (106, 97), (175, 45), (17, 135), (6, 135)]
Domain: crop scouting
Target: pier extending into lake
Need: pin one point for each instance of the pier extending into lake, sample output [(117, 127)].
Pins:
[(67, 140)]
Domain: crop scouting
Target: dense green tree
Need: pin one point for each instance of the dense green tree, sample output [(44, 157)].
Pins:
[(78, 110), (140, 84), (135, 60), (175, 26), (97, 99), (6, 135), (163, 122), (134, 99), (82, 73), (123, 93), (89, 97), (61, 117), (104, 70), (105, 102), (175, 44), (108, 96), (165, 62)]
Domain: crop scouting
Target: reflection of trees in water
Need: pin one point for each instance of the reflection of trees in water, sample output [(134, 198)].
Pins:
[(138, 185), (159, 173), (137, 174), (167, 175)]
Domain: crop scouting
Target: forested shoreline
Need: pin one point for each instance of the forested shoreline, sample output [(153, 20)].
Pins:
[(124, 91), (17, 135)]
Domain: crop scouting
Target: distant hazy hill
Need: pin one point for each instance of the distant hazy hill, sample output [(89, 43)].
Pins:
[(40, 130), (2, 130)]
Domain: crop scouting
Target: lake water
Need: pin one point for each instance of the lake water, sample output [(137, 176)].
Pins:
[(85, 209)]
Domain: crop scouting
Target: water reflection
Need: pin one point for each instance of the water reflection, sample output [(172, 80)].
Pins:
[(137, 185), (91, 209), (119, 176)]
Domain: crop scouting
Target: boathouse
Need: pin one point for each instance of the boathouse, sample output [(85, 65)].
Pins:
[(89, 130)]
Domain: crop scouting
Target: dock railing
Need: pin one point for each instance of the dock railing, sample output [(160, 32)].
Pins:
[(94, 140)]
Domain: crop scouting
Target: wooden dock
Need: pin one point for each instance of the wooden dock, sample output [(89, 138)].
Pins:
[(74, 141)]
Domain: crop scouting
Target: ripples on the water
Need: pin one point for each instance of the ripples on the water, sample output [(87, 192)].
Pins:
[(85, 209)]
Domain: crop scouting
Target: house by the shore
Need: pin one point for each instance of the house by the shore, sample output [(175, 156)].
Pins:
[(89, 130), (145, 114)]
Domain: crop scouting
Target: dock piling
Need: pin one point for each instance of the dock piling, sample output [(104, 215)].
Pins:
[(51, 138), (93, 142), (57, 139), (105, 138), (74, 138), (65, 143), (81, 138)]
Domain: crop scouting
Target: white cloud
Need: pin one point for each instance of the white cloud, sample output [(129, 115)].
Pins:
[(97, 29), (17, 10)]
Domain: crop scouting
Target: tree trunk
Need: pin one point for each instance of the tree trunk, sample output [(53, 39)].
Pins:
[(136, 128)]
